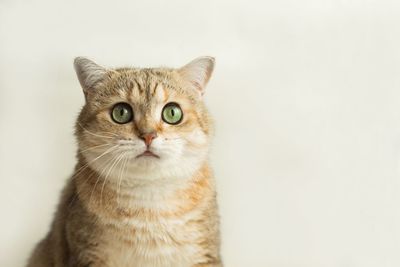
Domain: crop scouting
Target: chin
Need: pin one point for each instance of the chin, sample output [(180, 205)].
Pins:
[(166, 169), (146, 164), (149, 165)]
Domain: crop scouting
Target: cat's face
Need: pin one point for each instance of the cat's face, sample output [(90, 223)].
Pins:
[(144, 123)]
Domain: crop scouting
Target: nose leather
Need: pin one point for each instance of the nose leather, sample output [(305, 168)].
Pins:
[(148, 137)]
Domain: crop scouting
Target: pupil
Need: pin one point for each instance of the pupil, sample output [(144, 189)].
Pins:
[(172, 112), (121, 113)]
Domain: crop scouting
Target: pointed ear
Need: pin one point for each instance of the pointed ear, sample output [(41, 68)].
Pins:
[(198, 72), (89, 73)]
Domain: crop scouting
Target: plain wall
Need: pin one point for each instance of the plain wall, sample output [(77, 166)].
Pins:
[(305, 94)]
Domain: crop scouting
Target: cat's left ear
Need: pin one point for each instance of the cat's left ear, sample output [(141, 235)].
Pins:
[(89, 73), (198, 72)]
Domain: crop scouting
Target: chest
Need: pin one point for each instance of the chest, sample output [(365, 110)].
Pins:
[(154, 243)]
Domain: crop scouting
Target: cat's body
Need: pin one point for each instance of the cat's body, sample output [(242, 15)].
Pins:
[(142, 193)]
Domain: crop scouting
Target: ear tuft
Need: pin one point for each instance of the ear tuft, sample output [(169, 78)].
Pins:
[(198, 72), (88, 72)]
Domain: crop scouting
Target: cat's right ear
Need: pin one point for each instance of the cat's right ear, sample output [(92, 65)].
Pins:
[(89, 73)]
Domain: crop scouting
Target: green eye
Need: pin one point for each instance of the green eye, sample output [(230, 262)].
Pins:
[(122, 113), (172, 113)]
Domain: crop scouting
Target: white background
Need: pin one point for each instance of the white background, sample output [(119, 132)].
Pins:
[(306, 96)]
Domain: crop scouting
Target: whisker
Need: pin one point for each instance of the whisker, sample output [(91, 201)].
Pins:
[(128, 143), (175, 138), (101, 175), (93, 147), (83, 168), (123, 170), (115, 163), (87, 164), (98, 135)]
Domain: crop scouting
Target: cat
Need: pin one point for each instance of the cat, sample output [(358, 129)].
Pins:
[(142, 193)]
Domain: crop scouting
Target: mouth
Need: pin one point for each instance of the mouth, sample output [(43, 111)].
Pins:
[(147, 153)]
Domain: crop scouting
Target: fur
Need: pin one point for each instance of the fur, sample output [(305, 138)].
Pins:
[(121, 210)]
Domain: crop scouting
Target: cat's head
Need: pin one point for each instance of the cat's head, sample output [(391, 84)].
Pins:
[(144, 123)]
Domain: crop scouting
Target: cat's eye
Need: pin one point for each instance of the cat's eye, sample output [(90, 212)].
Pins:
[(122, 113), (172, 113)]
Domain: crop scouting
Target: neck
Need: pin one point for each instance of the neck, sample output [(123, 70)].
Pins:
[(118, 197)]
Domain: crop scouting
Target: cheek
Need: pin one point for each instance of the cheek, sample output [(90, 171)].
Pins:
[(167, 142), (169, 146), (92, 135), (104, 123), (179, 141), (189, 135), (196, 138)]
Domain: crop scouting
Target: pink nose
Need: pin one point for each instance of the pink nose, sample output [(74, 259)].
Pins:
[(148, 138)]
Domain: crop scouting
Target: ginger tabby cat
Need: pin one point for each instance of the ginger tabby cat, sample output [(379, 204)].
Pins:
[(142, 194)]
